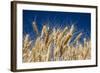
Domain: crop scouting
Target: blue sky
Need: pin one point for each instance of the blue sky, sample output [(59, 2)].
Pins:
[(81, 21)]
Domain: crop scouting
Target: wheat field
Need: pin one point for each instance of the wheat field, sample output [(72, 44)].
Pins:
[(55, 45)]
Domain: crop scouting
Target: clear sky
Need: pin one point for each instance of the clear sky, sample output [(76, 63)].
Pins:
[(81, 21)]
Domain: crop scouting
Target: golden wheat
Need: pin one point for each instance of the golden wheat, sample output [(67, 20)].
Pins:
[(55, 46)]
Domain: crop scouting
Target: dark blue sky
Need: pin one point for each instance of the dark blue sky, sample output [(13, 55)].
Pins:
[(81, 21)]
